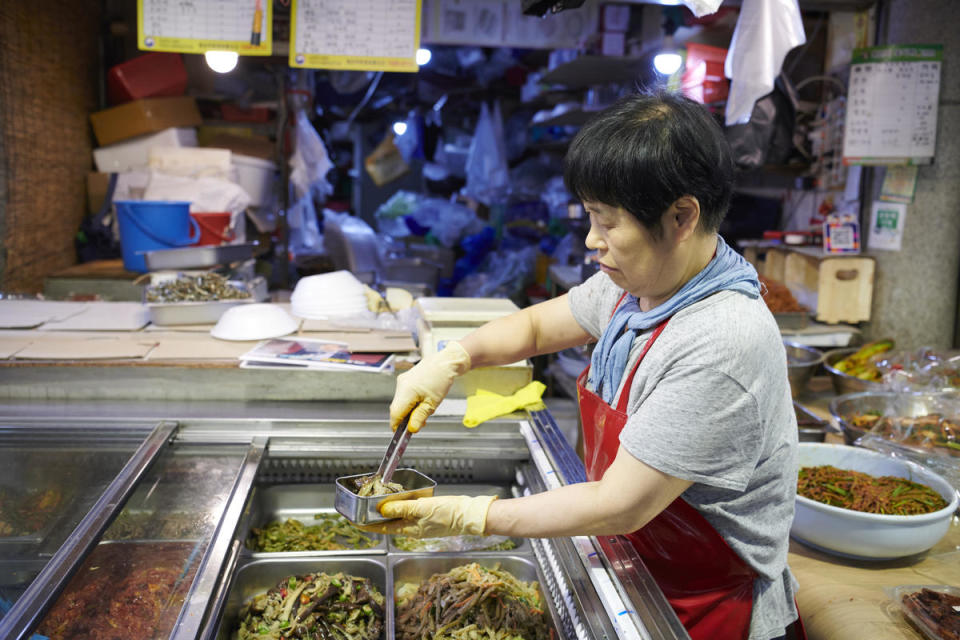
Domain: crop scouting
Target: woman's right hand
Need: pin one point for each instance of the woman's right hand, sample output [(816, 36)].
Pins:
[(421, 389)]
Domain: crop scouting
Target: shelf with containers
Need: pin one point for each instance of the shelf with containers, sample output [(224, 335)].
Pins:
[(185, 499)]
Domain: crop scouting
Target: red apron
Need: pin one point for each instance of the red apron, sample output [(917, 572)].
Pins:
[(708, 585)]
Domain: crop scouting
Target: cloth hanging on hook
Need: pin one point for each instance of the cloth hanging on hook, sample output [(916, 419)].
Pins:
[(766, 31)]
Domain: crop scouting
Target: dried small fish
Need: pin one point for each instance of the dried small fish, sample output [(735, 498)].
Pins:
[(374, 486), (203, 288)]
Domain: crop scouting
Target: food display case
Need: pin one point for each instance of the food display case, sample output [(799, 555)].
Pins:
[(178, 527)]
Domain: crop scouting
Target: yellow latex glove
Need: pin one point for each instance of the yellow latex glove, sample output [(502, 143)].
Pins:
[(421, 389), (435, 517), (486, 405)]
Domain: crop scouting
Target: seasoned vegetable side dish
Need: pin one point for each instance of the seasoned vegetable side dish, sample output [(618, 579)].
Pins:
[(315, 606), (330, 532), (469, 602), (886, 495), (23, 512), (374, 486), (927, 431), (124, 591), (453, 543)]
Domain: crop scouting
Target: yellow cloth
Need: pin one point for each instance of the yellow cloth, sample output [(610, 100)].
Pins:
[(486, 405)]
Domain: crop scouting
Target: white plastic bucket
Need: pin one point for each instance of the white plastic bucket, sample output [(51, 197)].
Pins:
[(257, 177)]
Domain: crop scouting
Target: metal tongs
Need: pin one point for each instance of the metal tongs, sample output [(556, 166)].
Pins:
[(398, 444)]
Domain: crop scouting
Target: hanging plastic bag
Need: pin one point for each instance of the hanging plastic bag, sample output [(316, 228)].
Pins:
[(309, 163), (766, 30), (487, 176), (305, 237)]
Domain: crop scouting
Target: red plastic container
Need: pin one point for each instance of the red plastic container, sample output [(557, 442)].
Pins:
[(151, 75), (214, 227), (703, 79)]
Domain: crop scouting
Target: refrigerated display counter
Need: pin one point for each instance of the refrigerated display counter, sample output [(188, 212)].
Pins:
[(152, 522)]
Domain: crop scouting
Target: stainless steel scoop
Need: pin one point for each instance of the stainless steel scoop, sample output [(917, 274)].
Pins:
[(398, 444)]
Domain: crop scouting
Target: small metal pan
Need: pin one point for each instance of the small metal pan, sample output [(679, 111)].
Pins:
[(366, 509)]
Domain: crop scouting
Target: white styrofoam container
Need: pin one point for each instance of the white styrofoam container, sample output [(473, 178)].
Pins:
[(867, 535), (134, 154), (193, 162), (256, 176)]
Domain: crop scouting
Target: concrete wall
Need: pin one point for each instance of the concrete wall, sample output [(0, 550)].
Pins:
[(916, 293)]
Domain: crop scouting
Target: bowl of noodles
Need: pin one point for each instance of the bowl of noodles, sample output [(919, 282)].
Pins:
[(862, 504)]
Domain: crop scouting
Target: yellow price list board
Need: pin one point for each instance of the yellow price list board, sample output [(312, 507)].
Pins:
[(361, 35), (196, 26)]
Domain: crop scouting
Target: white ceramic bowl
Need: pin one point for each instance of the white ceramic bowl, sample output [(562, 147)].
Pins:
[(866, 535), (257, 321)]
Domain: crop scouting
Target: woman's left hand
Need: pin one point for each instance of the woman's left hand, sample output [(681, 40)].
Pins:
[(435, 517)]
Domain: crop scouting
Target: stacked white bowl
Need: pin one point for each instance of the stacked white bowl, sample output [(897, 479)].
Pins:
[(328, 295)]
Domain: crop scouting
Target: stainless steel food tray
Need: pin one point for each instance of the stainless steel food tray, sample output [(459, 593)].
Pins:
[(198, 257), (297, 502), (260, 575), (417, 569), (205, 312)]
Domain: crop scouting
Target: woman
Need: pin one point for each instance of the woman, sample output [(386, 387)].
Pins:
[(689, 432)]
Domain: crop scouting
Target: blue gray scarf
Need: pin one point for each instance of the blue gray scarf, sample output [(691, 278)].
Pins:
[(727, 270)]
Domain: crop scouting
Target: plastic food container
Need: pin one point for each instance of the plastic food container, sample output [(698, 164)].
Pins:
[(856, 534), (923, 623)]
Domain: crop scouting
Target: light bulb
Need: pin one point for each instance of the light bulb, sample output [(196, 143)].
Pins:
[(221, 61), (399, 128), (667, 63), (423, 56)]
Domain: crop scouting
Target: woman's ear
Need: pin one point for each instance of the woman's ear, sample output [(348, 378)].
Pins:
[(684, 216)]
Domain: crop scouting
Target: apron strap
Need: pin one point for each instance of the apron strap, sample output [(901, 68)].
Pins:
[(625, 392)]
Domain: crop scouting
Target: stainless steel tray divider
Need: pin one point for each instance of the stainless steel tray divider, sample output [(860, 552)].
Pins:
[(198, 608), (25, 614)]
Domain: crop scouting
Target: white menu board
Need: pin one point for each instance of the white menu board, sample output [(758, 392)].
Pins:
[(196, 26), (365, 35), (892, 105)]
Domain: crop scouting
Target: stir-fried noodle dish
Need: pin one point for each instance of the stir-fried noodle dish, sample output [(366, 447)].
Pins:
[(472, 602), (315, 606), (886, 495)]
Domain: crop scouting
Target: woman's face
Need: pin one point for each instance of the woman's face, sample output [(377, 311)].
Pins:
[(635, 259)]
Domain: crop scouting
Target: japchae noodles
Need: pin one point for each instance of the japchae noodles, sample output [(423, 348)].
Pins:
[(472, 601)]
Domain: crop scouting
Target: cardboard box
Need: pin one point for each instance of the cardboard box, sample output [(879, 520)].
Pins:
[(141, 117)]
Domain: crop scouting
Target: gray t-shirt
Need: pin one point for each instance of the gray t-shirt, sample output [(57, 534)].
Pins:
[(711, 404)]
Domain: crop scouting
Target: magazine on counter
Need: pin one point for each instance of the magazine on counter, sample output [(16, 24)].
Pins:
[(303, 353)]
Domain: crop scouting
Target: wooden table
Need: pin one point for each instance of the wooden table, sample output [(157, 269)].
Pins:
[(841, 599)]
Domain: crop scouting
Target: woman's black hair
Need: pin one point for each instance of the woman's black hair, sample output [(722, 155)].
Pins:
[(647, 150)]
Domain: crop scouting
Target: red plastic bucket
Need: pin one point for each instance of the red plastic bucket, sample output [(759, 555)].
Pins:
[(214, 227)]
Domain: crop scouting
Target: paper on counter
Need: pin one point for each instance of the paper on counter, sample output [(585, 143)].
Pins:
[(104, 316), (196, 346), (25, 314), (374, 341), (11, 344), (53, 346)]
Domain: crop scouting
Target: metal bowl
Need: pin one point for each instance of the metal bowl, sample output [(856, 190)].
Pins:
[(849, 533), (905, 405), (366, 509), (810, 427), (802, 362), (843, 383)]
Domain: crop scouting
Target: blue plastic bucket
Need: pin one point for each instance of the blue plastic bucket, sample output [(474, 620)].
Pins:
[(147, 225)]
